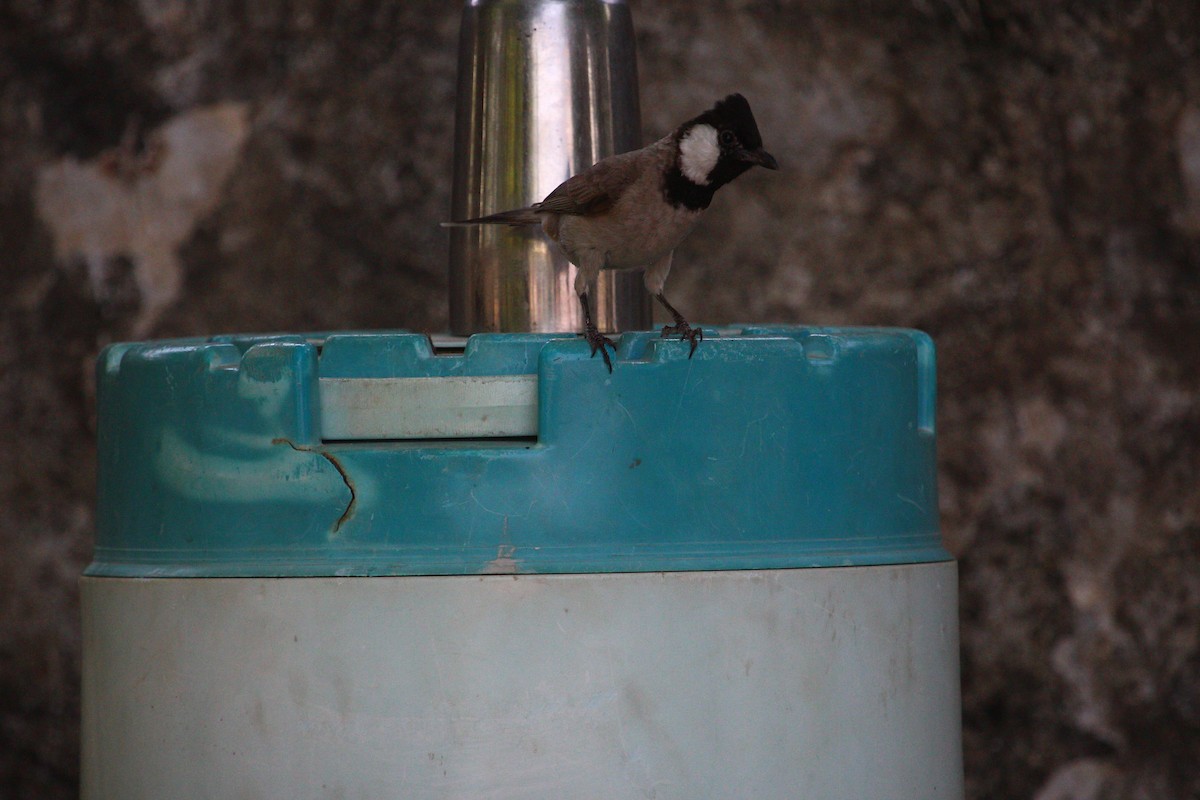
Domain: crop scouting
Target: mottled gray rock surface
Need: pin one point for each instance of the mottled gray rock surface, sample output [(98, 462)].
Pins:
[(1019, 178)]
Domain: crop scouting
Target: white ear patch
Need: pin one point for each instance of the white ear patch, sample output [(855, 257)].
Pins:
[(698, 153)]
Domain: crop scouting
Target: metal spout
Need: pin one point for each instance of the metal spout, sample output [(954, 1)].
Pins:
[(546, 88)]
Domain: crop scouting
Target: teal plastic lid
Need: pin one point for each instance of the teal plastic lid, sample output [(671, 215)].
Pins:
[(374, 454)]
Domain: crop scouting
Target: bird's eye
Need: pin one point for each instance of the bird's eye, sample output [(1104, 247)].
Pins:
[(727, 138)]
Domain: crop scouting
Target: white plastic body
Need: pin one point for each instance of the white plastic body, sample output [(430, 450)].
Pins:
[(806, 683)]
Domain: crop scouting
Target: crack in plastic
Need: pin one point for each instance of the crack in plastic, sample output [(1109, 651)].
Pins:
[(332, 459)]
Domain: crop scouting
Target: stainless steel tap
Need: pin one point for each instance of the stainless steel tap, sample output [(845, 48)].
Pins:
[(545, 89)]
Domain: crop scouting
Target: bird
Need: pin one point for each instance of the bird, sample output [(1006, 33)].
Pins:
[(630, 211)]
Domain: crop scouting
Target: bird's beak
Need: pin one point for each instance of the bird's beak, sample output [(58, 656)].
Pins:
[(760, 157)]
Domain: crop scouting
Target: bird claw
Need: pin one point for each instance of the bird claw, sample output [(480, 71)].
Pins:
[(686, 333), (600, 342)]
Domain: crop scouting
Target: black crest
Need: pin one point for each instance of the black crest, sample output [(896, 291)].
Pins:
[(734, 114)]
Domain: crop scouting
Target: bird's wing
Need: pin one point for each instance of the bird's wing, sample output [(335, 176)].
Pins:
[(596, 189), (590, 192)]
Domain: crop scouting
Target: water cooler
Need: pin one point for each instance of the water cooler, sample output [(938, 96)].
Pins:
[(379, 565)]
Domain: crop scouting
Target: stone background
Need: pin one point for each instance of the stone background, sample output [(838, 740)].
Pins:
[(1019, 178)]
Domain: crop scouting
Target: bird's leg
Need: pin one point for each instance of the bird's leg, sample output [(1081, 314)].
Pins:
[(597, 340), (655, 277), (681, 326)]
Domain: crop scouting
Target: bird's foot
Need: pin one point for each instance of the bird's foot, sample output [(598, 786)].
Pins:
[(600, 342), (686, 333)]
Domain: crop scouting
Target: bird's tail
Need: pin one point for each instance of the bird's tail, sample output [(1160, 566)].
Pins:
[(517, 216)]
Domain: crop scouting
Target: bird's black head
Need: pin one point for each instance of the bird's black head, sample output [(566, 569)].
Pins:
[(715, 148)]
